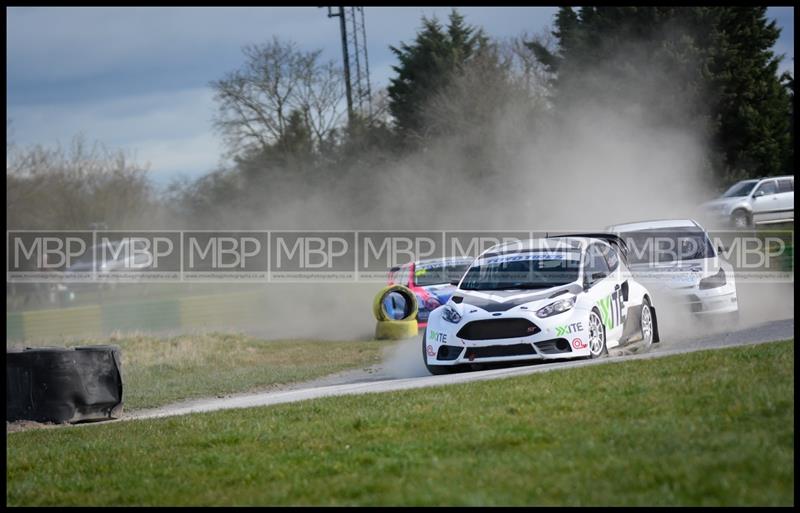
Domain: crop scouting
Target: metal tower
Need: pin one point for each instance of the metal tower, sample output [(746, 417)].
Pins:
[(354, 57)]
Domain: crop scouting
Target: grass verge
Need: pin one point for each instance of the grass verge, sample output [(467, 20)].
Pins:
[(706, 428), (159, 371)]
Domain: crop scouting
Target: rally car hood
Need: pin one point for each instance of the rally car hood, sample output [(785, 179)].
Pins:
[(469, 301)]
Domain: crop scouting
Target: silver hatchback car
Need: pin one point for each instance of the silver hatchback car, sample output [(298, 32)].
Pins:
[(751, 202), (676, 260)]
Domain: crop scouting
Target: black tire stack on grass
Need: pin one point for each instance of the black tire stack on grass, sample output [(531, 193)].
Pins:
[(57, 384)]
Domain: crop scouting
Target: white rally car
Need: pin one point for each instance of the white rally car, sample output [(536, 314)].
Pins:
[(676, 260), (551, 298)]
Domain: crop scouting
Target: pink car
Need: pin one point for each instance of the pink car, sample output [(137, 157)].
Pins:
[(431, 281)]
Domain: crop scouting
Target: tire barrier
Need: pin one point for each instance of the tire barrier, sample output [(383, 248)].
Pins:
[(56, 384), (396, 330), (395, 303)]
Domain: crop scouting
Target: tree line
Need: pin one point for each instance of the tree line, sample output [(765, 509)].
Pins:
[(709, 70)]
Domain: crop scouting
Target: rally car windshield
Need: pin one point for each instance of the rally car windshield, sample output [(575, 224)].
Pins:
[(667, 245), (437, 274), (527, 270)]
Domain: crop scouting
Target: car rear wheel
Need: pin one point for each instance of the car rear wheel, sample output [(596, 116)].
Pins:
[(597, 336)]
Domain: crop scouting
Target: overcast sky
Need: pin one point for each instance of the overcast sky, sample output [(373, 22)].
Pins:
[(137, 78)]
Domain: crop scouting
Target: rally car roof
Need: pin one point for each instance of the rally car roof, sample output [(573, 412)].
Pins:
[(654, 225), (568, 242), (446, 260), (449, 260)]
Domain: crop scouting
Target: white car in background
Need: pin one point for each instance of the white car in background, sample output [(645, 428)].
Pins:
[(751, 202), (676, 260)]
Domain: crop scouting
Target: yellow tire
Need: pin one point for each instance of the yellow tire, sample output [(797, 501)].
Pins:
[(396, 330), (380, 312)]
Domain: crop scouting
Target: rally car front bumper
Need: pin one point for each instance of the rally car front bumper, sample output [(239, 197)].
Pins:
[(507, 338)]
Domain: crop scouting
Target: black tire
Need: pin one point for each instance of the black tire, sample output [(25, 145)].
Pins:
[(604, 349), (740, 219), (436, 370), (59, 384)]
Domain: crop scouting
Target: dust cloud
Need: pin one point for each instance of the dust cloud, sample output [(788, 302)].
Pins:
[(404, 360), (531, 167), (534, 165), (596, 161)]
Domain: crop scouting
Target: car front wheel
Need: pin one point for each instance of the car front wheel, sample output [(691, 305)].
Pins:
[(597, 336), (740, 219), (646, 326)]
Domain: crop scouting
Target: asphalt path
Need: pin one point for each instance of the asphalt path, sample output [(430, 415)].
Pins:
[(402, 370)]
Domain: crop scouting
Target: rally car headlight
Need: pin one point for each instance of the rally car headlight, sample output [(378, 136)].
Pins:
[(562, 305), (449, 314), (712, 282)]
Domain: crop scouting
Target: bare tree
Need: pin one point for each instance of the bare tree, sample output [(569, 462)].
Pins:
[(526, 69), (256, 101), (73, 187), (476, 95)]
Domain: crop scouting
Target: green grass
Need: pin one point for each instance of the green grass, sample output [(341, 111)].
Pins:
[(707, 428), (159, 371)]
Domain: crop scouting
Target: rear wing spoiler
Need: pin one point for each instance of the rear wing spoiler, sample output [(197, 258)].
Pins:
[(610, 238)]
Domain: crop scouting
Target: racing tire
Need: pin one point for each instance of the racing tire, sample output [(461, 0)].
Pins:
[(379, 311), (647, 325), (597, 341), (740, 219), (436, 370), (396, 330)]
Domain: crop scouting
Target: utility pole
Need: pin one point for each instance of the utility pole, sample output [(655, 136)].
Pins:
[(345, 59), (354, 58)]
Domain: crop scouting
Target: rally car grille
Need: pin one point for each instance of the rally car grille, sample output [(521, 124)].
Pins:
[(495, 351), (491, 329)]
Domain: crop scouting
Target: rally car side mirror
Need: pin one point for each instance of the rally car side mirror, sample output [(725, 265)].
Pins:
[(454, 282)]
